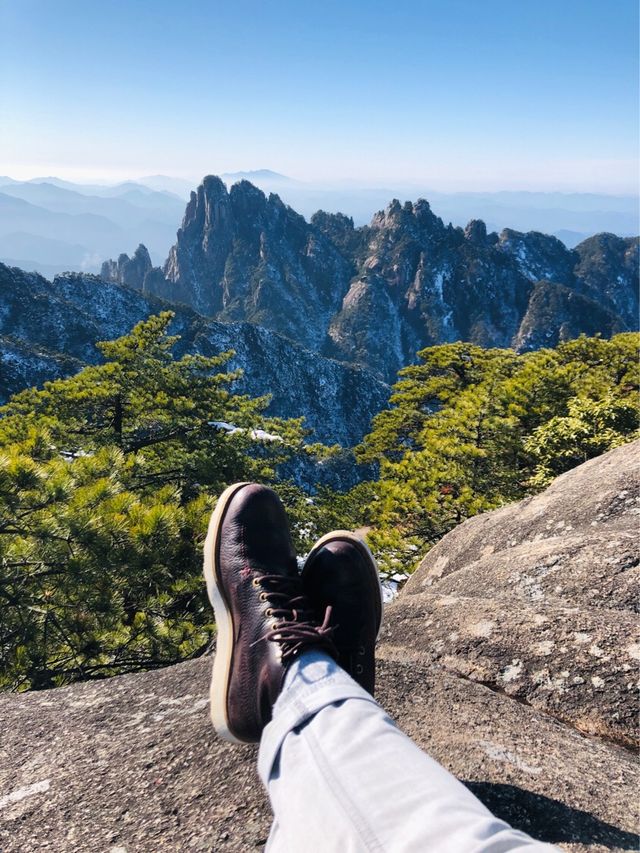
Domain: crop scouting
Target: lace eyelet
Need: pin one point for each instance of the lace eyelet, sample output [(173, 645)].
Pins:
[(263, 596), (256, 582), (268, 612), (275, 626), (359, 669), (361, 650)]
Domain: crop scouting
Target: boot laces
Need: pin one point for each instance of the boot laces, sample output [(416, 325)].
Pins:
[(294, 627)]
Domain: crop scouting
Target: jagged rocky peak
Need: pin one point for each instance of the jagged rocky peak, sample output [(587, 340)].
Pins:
[(241, 255), (208, 206), (197, 259), (376, 294), (397, 237), (476, 232), (128, 271), (539, 255), (423, 283), (419, 283), (607, 268), (248, 200), (410, 215), (425, 217)]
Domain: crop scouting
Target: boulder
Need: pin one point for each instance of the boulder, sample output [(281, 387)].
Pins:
[(539, 599), (589, 499)]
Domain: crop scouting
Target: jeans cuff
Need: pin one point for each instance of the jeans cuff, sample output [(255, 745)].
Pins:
[(300, 700)]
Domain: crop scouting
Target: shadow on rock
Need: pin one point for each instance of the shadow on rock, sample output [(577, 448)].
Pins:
[(549, 820)]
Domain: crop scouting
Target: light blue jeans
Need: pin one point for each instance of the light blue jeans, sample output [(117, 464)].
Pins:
[(342, 777)]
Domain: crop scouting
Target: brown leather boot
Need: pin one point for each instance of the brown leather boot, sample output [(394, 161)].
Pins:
[(263, 619), (341, 573)]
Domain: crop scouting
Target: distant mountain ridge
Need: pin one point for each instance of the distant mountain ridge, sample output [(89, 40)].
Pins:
[(374, 295), (149, 209), (50, 225), (255, 175)]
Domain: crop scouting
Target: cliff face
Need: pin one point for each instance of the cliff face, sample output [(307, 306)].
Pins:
[(421, 283), (241, 255), (375, 295), (129, 271), (608, 271), (509, 657), (48, 330), (558, 313)]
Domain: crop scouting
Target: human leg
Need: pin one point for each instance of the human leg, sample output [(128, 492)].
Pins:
[(342, 777)]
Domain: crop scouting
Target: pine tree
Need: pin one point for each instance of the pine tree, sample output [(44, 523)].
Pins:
[(470, 429), (106, 482)]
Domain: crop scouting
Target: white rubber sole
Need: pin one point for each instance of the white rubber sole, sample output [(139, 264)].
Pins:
[(224, 623), (364, 548)]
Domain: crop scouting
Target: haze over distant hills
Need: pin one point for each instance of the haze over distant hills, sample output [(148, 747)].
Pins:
[(52, 225), (569, 216)]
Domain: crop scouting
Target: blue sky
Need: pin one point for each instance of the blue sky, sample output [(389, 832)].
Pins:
[(452, 94)]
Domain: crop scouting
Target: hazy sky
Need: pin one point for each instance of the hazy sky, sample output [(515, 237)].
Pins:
[(452, 94)]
